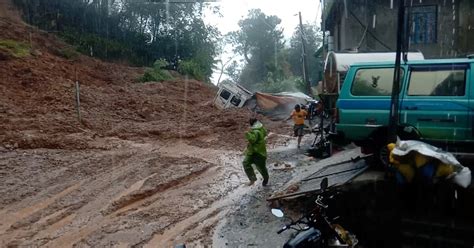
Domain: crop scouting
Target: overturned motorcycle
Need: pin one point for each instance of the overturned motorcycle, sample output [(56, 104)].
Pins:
[(317, 229)]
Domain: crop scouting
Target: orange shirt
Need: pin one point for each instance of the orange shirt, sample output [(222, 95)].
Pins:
[(299, 117)]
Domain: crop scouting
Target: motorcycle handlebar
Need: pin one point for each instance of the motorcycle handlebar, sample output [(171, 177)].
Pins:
[(282, 230), (289, 226)]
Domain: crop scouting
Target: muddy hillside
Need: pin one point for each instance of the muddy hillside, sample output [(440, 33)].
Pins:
[(149, 163), (38, 104)]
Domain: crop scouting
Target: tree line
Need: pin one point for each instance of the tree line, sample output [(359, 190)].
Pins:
[(138, 31), (269, 64), (166, 35)]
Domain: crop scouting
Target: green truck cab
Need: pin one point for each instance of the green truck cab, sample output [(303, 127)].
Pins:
[(436, 103)]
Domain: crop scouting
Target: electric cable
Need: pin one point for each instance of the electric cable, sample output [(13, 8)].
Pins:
[(369, 32)]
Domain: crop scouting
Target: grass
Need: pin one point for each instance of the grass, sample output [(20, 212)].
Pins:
[(68, 53), (15, 48)]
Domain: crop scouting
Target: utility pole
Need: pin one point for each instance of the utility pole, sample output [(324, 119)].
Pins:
[(401, 32), (305, 62), (323, 28)]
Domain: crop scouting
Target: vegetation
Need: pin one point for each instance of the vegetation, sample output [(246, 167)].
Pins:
[(191, 68), (138, 31), (260, 42), (157, 73), (15, 48), (67, 53), (269, 64), (291, 84), (313, 39)]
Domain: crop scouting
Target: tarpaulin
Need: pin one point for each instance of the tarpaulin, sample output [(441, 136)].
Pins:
[(459, 174), (269, 102), (277, 106)]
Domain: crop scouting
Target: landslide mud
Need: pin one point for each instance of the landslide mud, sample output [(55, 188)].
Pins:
[(128, 196), (148, 164)]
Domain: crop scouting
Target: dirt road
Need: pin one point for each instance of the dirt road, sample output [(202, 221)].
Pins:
[(146, 194), (120, 197)]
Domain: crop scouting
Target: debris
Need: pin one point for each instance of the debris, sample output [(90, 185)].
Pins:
[(411, 157)]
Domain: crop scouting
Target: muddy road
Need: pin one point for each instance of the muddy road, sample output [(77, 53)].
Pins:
[(120, 197), (124, 193)]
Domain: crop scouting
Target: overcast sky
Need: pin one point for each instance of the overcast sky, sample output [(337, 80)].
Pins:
[(234, 10)]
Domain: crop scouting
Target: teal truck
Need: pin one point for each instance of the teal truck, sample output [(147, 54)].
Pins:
[(436, 103)]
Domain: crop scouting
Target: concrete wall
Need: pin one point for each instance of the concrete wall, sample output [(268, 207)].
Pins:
[(455, 27)]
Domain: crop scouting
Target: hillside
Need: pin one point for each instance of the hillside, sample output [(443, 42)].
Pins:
[(39, 110), (116, 177)]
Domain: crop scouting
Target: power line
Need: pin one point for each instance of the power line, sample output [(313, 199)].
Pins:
[(369, 32)]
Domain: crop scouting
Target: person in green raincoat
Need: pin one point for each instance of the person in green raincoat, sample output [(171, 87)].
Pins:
[(256, 152)]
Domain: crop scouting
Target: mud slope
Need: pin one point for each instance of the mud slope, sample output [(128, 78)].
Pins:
[(38, 106), (147, 163)]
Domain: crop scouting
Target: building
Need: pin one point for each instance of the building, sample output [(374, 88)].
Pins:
[(438, 28)]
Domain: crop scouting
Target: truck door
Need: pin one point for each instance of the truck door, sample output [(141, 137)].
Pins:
[(436, 102)]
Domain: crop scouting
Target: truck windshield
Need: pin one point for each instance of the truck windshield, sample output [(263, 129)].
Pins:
[(225, 94), (235, 100)]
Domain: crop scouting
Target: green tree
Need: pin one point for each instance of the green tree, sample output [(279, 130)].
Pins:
[(259, 41), (138, 31), (233, 71), (313, 39)]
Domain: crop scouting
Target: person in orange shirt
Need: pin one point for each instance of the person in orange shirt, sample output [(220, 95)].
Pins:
[(298, 115)]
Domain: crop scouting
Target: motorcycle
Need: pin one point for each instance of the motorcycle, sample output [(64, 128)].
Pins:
[(317, 229), (315, 109)]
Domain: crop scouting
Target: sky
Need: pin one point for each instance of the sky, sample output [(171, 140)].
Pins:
[(234, 10)]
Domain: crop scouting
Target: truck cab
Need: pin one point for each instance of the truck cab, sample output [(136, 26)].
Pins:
[(231, 95), (436, 103)]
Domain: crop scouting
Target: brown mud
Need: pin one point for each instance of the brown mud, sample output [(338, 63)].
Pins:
[(148, 164)]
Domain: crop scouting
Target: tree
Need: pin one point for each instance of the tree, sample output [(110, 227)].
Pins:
[(233, 71), (138, 31), (313, 39), (259, 41)]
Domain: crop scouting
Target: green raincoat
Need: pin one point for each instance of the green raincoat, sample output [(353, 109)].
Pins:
[(256, 138), (256, 152)]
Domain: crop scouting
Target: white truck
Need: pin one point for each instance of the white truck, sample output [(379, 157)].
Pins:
[(231, 95)]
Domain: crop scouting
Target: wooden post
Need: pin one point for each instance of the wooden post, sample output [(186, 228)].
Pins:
[(78, 102), (78, 99)]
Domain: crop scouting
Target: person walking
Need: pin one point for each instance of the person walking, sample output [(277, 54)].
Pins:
[(298, 115), (256, 152)]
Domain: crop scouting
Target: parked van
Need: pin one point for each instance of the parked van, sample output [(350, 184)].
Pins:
[(231, 95), (436, 103)]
